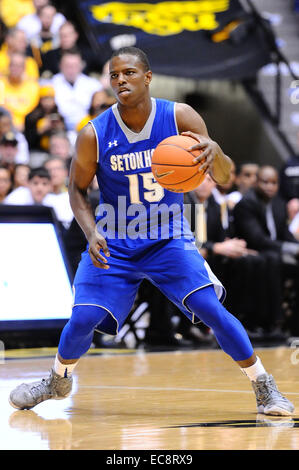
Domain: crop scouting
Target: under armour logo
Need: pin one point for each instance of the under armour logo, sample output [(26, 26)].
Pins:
[(113, 143)]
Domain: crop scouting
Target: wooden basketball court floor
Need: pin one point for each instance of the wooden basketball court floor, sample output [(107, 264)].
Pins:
[(134, 400)]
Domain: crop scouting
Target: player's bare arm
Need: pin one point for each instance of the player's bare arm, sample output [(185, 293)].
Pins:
[(213, 159), (82, 172)]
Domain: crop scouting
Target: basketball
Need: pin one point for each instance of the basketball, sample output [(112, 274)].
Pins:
[(173, 166)]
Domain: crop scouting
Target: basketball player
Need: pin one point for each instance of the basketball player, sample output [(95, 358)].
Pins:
[(116, 147)]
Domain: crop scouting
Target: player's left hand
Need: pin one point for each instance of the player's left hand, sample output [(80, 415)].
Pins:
[(210, 150)]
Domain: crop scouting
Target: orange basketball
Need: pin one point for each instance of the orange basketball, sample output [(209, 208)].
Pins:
[(173, 167)]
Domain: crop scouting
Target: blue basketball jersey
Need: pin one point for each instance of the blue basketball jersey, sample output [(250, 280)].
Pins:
[(164, 250), (133, 205)]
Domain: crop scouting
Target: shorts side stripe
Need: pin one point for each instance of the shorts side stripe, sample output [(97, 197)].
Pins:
[(101, 306)]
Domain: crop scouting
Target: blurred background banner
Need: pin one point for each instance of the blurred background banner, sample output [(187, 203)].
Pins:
[(195, 38)]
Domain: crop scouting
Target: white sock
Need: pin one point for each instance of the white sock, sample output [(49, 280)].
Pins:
[(64, 370), (254, 371)]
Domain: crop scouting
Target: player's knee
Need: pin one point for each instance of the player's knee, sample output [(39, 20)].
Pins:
[(205, 304), (85, 317)]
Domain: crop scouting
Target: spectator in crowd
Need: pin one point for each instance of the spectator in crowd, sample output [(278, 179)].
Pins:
[(73, 89), (37, 191), (293, 217), (210, 232), (12, 12), (292, 209), (15, 41), (31, 24), (105, 77), (8, 150), (6, 125), (45, 40), (261, 216), (220, 193), (57, 168), (242, 269), (3, 31), (261, 219), (43, 121), (246, 176), (20, 95), (5, 181), (68, 40), (60, 146), (289, 177), (294, 227), (59, 198), (61, 205), (99, 103), (21, 175)]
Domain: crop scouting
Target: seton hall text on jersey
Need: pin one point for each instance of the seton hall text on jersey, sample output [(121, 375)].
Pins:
[(131, 161)]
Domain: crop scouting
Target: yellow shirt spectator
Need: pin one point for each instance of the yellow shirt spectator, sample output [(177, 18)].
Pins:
[(99, 103), (13, 10), (19, 95), (31, 67)]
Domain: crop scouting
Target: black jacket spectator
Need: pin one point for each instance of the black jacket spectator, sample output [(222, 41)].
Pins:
[(43, 121), (261, 219), (289, 179), (251, 223)]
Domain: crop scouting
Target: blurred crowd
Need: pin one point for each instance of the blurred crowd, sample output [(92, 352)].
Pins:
[(247, 230)]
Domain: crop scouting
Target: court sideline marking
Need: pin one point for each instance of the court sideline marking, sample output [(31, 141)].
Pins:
[(172, 389)]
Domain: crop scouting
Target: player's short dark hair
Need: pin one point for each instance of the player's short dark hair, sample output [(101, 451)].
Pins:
[(41, 172), (135, 51)]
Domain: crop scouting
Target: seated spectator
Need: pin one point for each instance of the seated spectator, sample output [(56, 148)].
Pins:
[(57, 168), (289, 177), (20, 95), (292, 208), (61, 205), (261, 215), (31, 23), (261, 219), (43, 121), (293, 217), (58, 171), (38, 191), (105, 77), (99, 103), (240, 268), (68, 40), (220, 193), (246, 176), (45, 40), (39, 187), (73, 89), (294, 226), (8, 150), (12, 12), (210, 232), (3, 31), (5, 182), (15, 41), (60, 146), (21, 175), (6, 125)]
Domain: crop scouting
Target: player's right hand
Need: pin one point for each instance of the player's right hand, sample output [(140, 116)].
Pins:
[(97, 243)]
